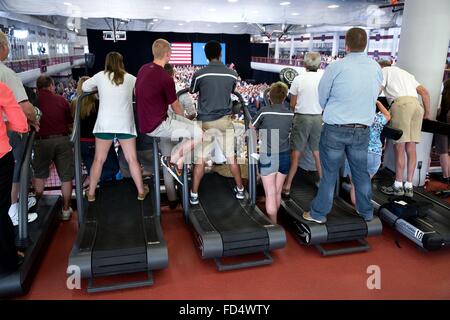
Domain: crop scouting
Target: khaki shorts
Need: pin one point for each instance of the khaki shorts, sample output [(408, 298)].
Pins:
[(407, 115), (306, 130), (57, 150), (221, 131)]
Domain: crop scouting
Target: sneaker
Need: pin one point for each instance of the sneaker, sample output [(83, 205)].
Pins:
[(193, 198), (66, 214), (409, 192), (239, 193), (307, 216), (31, 202), (172, 169), (14, 215), (285, 194), (392, 190)]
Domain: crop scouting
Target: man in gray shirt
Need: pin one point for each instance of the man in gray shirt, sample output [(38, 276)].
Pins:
[(17, 141), (215, 83)]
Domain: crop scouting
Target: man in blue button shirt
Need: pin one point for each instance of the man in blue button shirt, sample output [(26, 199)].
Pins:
[(348, 91)]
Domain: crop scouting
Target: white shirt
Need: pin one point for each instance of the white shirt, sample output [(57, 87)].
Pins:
[(398, 83), (305, 87), (12, 80), (115, 114)]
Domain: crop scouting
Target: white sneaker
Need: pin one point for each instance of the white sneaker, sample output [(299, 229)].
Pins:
[(66, 214), (31, 202), (14, 215)]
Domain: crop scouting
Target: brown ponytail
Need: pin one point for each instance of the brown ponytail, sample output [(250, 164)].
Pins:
[(114, 65)]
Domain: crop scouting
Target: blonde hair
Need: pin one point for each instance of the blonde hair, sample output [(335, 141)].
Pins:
[(88, 104), (4, 42), (278, 92), (160, 48), (114, 65)]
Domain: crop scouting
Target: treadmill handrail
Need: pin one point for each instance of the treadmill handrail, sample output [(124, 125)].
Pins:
[(23, 192), (251, 148), (75, 139)]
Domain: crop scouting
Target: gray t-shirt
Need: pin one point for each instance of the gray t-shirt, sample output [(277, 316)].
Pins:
[(215, 84), (274, 124)]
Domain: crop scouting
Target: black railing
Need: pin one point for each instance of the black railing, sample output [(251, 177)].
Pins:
[(75, 139), (251, 148), (22, 240)]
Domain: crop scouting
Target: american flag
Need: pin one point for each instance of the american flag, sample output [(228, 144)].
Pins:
[(181, 53)]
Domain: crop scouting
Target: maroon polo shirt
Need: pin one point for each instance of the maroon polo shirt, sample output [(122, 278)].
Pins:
[(155, 91), (56, 116)]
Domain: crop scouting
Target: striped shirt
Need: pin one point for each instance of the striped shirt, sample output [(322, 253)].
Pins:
[(215, 84), (274, 124)]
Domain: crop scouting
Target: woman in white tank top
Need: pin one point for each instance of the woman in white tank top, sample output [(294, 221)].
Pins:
[(115, 120)]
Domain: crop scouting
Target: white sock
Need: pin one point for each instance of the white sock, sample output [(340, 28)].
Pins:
[(408, 185), (194, 194), (398, 184)]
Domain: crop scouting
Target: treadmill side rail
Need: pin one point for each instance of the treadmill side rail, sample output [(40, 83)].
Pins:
[(277, 237), (157, 255), (210, 242)]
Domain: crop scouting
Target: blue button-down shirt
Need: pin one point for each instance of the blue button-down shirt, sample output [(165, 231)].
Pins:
[(349, 89)]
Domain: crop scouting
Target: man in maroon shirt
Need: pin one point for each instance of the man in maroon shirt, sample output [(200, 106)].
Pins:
[(155, 91), (52, 142)]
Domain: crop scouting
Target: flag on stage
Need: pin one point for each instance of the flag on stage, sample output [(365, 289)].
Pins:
[(181, 53)]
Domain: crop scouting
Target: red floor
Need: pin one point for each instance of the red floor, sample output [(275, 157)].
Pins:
[(298, 272)]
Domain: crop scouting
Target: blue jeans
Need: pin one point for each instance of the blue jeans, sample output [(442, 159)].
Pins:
[(335, 142), (111, 165)]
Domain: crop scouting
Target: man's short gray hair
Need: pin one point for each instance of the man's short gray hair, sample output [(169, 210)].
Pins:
[(4, 42), (312, 61)]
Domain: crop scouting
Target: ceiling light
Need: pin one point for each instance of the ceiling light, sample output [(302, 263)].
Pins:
[(85, 18), (166, 8), (235, 26), (255, 11), (309, 25), (233, 1), (211, 9), (285, 3), (67, 4), (181, 24), (333, 6), (295, 13), (155, 20)]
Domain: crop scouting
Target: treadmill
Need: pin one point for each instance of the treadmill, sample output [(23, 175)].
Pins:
[(430, 230), (32, 238), (225, 226), (118, 234), (343, 223)]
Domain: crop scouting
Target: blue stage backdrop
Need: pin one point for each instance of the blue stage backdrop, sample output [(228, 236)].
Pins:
[(199, 57)]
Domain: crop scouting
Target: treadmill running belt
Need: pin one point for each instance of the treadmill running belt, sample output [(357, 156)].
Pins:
[(120, 225), (303, 192), (225, 212)]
